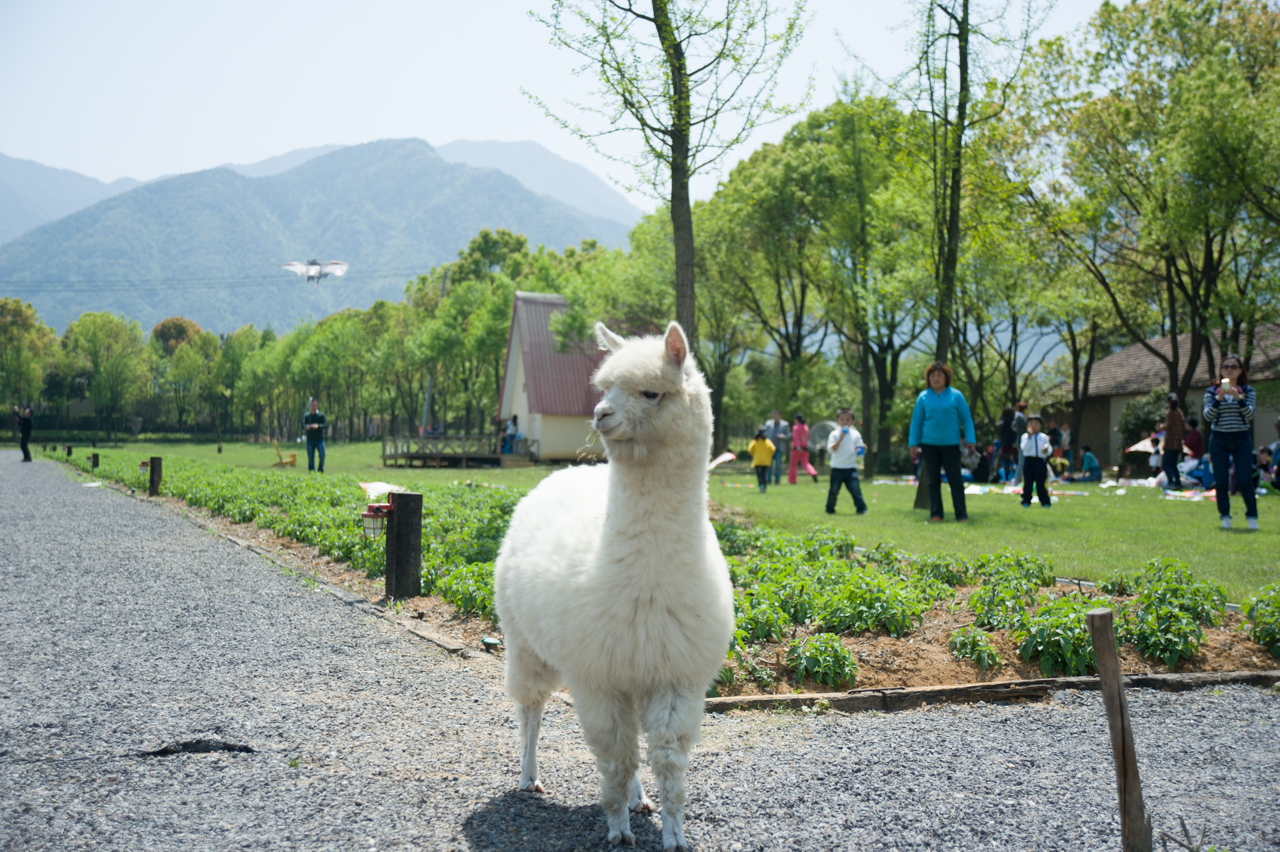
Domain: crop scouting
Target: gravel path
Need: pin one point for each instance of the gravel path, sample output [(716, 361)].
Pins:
[(126, 628)]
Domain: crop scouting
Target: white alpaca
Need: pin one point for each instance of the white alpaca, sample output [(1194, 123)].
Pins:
[(611, 580)]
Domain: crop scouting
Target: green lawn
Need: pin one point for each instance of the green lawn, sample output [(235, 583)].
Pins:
[(1085, 536)]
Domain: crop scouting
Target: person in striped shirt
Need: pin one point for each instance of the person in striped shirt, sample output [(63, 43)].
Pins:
[(1229, 404)]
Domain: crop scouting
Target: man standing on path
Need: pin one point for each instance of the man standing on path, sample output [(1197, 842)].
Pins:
[(778, 431), (314, 424), (24, 430)]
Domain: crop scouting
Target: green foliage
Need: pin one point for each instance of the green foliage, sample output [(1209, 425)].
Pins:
[(943, 567), (1009, 562), (1263, 612), (461, 526), (1169, 583), (1119, 583), (1163, 632), (470, 589), (869, 600), (746, 656), (1139, 416), (1056, 633), (822, 658), (970, 643), (1002, 601), (760, 617)]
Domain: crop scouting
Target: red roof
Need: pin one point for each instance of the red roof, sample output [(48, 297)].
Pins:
[(556, 382)]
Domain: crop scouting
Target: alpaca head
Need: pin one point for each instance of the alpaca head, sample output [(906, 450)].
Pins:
[(655, 402)]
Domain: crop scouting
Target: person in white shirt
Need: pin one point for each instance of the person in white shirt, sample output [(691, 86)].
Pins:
[(844, 445), (1035, 448)]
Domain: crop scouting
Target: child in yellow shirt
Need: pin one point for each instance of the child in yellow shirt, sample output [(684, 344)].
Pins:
[(761, 450)]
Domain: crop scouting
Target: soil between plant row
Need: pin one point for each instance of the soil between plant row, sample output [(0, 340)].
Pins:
[(919, 659)]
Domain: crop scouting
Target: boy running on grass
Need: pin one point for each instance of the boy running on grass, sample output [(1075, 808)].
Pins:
[(845, 445)]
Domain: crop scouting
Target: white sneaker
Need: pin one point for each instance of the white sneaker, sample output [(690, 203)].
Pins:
[(1226, 522), (1253, 523)]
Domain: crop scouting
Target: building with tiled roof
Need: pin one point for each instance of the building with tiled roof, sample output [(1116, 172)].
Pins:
[(548, 391), (1134, 372)]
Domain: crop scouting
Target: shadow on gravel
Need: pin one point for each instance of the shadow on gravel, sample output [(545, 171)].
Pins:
[(528, 821)]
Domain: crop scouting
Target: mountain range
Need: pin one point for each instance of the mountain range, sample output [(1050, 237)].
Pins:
[(32, 194), (207, 245)]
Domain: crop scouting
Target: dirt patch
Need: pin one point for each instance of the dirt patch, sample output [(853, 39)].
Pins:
[(921, 658)]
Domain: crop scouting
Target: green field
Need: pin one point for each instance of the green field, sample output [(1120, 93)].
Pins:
[(1085, 536)]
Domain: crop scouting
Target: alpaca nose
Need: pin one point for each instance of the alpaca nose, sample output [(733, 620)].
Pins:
[(603, 413)]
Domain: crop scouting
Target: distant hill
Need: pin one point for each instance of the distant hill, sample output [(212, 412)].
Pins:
[(207, 245), (32, 194), (283, 162), (546, 174)]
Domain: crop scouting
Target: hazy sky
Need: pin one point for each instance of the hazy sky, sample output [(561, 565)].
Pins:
[(143, 88)]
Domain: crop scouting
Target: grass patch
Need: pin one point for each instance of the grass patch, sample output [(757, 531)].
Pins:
[(1087, 537)]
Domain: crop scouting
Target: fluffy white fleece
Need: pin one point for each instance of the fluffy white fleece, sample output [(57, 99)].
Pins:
[(611, 580)]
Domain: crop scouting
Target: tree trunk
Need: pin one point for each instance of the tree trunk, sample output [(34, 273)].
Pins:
[(681, 209), (864, 376), (947, 288)]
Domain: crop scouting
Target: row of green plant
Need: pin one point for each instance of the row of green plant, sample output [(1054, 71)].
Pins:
[(818, 582), (462, 526), (821, 582)]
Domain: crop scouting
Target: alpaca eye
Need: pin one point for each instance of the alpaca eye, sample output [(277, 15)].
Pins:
[(649, 394)]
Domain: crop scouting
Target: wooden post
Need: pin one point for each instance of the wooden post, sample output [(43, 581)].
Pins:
[(153, 488), (68, 451), (1135, 826), (404, 546), (93, 461)]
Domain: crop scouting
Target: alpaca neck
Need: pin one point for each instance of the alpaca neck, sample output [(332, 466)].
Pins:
[(658, 493)]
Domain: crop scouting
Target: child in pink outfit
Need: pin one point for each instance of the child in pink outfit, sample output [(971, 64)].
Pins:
[(800, 450)]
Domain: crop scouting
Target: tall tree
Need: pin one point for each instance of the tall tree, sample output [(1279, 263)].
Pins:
[(678, 72)]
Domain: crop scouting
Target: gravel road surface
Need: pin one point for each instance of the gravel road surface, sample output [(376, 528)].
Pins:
[(126, 628)]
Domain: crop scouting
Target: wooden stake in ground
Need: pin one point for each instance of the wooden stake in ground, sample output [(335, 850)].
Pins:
[(1135, 827), (93, 463), (153, 487), (404, 546)]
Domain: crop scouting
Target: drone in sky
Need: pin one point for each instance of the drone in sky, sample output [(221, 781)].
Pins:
[(315, 270)]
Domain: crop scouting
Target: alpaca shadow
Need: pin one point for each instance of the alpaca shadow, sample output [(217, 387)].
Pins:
[(520, 821)]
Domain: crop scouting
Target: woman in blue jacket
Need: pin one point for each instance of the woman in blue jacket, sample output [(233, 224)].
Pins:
[(940, 422)]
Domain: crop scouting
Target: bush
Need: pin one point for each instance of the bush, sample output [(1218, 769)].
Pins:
[(970, 643), (759, 615), (1169, 583), (1056, 633), (823, 659), (470, 589), (1002, 601), (1163, 633), (869, 600), (1263, 612), (1119, 583), (1009, 562), (952, 570)]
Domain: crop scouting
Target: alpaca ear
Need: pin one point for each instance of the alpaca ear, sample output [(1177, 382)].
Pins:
[(607, 340), (677, 345)]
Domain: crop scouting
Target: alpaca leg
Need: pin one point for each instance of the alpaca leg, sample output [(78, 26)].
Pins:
[(672, 722), (612, 729), (639, 802), (529, 682)]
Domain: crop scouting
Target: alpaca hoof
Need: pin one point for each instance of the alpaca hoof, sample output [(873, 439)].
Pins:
[(644, 806), (535, 787), (622, 838)]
